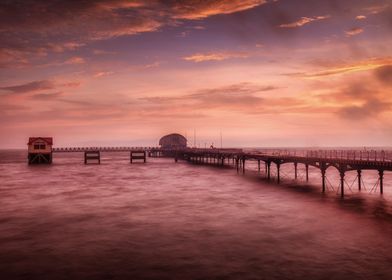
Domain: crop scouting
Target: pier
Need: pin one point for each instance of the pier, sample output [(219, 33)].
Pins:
[(40, 151)]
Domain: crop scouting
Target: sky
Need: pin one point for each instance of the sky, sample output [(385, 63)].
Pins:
[(277, 73)]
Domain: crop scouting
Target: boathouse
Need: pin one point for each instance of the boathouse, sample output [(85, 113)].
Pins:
[(40, 150), (173, 141)]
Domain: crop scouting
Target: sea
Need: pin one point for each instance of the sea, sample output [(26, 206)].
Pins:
[(168, 220)]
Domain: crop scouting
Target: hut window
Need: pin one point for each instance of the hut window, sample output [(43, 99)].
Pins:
[(39, 147)]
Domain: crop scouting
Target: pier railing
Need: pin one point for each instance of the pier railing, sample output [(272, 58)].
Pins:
[(368, 155)]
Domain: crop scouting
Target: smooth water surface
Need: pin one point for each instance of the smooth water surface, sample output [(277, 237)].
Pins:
[(166, 220)]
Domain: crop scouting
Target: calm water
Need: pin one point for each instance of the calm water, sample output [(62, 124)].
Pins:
[(163, 220)]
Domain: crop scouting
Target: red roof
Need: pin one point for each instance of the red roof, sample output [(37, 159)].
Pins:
[(48, 140)]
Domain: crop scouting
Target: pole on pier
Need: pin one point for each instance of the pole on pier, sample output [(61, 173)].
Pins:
[(307, 172), (278, 171), (323, 171), (295, 170), (342, 173), (359, 179), (381, 175)]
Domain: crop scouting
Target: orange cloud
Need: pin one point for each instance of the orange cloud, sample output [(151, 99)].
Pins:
[(203, 9), (302, 21), (346, 68), (361, 17), (217, 56), (354, 31)]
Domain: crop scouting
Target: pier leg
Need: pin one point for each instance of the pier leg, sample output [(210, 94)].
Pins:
[(295, 170), (307, 172), (342, 173), (268, 170), (381, 175), (323, 179), (258, 165), (237, 165), (278, 171), (359, 179), (243, 166)]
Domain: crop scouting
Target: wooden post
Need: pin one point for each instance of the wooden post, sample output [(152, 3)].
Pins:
[(342, 173), (258, 165), (269, 170), (278, 171), (243, 166), (295, 170), (359, 179), (323, 171), (381, 175), (307, 172)]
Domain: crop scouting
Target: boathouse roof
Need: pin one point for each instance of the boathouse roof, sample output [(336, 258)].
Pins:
[(48, 140), (173, 140)]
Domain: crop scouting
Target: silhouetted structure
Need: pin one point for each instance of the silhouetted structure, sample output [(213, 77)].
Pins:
[(138, 155), (94, 156), (40, 150), (173, 141)]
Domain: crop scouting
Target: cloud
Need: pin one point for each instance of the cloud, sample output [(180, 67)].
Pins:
[(384, 74), (75, 60), (47, 96), (354, 31), (29, 87), (103, 74), (345, 68), (73, 24), (194, 9), (371, 108), (302, 21), (35, 86), (360, 17), (242, 96), (215, 56)]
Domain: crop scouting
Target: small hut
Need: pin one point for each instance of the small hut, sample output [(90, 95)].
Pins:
[(173, 141), (40, 150)]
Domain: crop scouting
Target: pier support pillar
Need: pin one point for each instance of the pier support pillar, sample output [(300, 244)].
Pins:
[(381, 176), (243, 166), (237, 163), (258, 165), (342, 173), (307, 172), (323, 171), (359, 179), (295, 170), (268, 165), (278, 172)]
